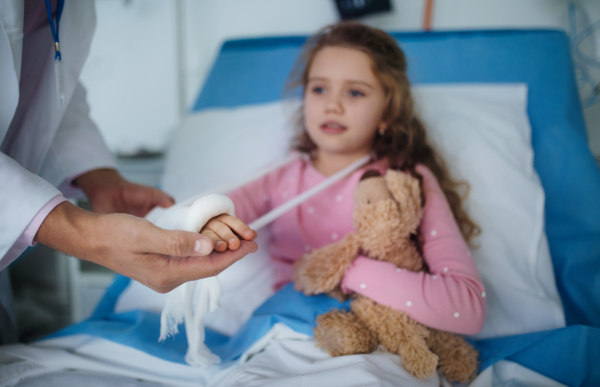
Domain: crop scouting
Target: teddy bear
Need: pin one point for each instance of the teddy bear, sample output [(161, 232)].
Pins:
[(386, 217)]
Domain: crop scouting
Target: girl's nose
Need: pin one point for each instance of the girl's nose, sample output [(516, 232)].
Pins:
[(334, 105)]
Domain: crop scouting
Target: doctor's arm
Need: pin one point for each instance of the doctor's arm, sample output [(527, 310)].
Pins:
[(134, 247)]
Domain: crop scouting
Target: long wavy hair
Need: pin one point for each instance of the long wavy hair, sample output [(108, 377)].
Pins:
[(404, 143)]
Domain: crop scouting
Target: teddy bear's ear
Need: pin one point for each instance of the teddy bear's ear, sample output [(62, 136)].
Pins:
[(406, 190)]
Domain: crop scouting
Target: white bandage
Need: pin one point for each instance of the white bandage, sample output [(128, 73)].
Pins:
[(191, 301)]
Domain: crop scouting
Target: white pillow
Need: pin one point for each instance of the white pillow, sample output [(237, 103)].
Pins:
[(483, 132), (216, 147)]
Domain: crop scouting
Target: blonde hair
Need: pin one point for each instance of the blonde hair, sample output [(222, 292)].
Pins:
[(404, 143)]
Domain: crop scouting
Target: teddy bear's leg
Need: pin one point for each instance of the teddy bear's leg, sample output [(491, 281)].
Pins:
[(341, 333), (458, 359), (399, 334)]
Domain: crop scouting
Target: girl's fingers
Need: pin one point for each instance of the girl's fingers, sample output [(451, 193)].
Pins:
[(220, 244), (238, 226), (223, 231)]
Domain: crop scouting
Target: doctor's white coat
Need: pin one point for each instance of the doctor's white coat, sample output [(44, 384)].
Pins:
[(43, 142)]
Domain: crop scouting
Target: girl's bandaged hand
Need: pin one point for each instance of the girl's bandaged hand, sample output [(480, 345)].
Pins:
[(225, 232)]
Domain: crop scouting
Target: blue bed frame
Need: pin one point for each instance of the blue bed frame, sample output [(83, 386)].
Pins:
[(254, 71)]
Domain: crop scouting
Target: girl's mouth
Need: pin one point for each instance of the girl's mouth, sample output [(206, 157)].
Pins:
[(332, 127)]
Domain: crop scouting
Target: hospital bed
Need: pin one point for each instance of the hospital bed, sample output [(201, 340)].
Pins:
[(505, 111)]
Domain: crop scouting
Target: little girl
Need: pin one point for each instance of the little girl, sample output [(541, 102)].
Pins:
[(357, 101)]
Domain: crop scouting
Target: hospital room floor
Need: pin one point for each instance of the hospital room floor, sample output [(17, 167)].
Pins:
[(41, 296)]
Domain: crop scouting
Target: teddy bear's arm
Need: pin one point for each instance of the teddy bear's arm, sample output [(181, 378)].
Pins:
[(322, 270)]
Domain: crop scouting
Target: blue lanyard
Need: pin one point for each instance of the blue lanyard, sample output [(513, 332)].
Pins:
[(59, 8)]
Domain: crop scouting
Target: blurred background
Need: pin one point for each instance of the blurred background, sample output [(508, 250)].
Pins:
[(149, 59)]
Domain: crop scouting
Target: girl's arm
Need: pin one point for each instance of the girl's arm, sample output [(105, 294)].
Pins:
[(451, 297), (252, 200)]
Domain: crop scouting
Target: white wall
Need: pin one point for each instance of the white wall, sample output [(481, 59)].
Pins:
[(139, 84), (208, 24), (131, 73)]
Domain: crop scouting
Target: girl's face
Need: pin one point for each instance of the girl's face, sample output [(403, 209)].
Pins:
[(343, 102)]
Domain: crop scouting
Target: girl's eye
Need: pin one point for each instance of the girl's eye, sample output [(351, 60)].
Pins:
[(318, 90), (356, 93)]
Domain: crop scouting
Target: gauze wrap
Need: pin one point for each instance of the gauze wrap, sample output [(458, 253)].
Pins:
[(191, 301)]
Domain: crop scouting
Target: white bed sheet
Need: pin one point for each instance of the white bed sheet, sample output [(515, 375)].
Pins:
[(283, 358)]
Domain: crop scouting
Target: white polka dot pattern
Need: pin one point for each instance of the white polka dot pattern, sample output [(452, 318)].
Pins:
[(334, 236), (408, 303), (433, 232), (338, 198), (445, 270), (456, 315), (310, 210), (363, 286)]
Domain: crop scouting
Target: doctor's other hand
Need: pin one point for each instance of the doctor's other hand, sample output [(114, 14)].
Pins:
[(108, 193), (134, 247)]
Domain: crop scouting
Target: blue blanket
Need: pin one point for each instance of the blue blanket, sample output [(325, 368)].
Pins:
[(566, 355)]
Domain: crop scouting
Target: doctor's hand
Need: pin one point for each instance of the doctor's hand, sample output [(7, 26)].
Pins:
[(108, 193), (134, 247)]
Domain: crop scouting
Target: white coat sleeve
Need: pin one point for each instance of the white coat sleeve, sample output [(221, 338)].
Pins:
[(77, 147), (22, 195)]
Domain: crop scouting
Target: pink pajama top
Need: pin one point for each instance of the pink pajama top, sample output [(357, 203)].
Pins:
[(451, 297)]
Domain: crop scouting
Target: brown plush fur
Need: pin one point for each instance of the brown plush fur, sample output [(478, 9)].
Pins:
[(384, 222)]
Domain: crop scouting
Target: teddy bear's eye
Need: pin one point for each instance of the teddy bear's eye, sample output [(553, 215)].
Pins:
[(368, 201)]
